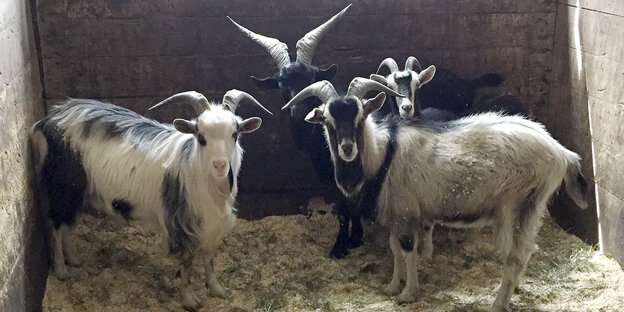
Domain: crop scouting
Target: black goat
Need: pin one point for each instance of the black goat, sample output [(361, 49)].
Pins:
[(291, 78)]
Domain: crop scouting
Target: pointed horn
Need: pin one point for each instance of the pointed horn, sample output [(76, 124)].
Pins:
[(324, 90), (359, 86), (277, 49), (197, 100), (390, 63), (233, 97), (411, 62), (306, 46)]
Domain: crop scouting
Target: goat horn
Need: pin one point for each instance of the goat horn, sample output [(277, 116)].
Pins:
[(233, 97), (197, 100), (324, 90), (411, 61), (390, 63), (277, 49), (307, 45), (359, 86)]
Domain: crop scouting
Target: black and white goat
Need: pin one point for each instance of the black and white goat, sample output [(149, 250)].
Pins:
[(180, 177), (430, 88), (482, 169), (291, 78)]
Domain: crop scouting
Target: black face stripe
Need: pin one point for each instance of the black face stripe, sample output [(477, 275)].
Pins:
[(231, 178), (201, 139), (404, 84)]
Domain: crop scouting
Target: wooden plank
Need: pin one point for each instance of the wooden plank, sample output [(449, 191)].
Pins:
[(612, 7), (612, 223), (599, 32)]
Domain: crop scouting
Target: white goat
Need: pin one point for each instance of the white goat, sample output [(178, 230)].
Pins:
[(482, 169), (181, 177)]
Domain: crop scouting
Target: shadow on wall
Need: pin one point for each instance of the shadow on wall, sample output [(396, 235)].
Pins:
[(567, 118)]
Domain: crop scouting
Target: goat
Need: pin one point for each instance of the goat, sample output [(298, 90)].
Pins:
[(482, 169), (291, 78), (415, 83), (180, 177), (445, 91)]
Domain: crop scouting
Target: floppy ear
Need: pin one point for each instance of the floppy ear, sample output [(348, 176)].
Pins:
[(249, 125), (185, 126), (379, 78), (327, 73), (372, 105), (315, 116), (426, 75), (265, 83)]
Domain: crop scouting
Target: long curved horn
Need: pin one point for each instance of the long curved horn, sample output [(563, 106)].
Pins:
[(410, 62), (233, 97), (307, 45), (359, 86), (197, 100), (277, 49), (390, 63), (324, 90)]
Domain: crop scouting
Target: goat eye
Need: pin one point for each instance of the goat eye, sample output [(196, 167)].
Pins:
[(201, 140), (235, 135)]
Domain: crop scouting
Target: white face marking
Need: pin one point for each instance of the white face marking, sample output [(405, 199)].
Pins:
[(217, 128)]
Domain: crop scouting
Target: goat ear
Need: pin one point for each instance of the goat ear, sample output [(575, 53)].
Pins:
[(249, 125), (379, 78), (315, 116), (185, 126), (372, 105), (265, 83), (327, 73), (426, 75)]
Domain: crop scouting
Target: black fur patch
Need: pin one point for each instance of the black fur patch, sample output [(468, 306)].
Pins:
[(372, 187), (62, 176), (113, 121), (180, 222), (467, 217), (407, 242), (343, 110), (231, 178), (527, 208), (187, 148), (404, 84), (124, 208)]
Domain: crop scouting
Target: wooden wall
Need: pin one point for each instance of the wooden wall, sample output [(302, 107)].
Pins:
[(586, 108), (23, 255), (135, 53)]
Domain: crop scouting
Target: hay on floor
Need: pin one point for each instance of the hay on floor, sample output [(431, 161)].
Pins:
[(281, 264)]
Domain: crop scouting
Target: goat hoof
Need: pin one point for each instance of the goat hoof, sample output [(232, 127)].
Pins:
[(73, 261), (193, 305), (391, 290), (339, 253), (406, 297), (217, 290)]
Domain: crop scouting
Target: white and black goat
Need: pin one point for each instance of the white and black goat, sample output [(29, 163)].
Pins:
[(441, 90), (482, 169), (291, 78), (180, 177), (420, 86)]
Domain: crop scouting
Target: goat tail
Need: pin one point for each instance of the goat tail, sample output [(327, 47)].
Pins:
[(487, 80), (575, 184), (38, 147)]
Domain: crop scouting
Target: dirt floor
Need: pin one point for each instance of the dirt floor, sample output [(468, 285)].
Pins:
[(281, 264)]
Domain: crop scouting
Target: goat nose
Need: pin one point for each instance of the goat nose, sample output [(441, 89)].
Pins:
[(406, 108), (347, 148), (219, 164)]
